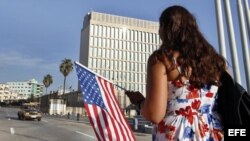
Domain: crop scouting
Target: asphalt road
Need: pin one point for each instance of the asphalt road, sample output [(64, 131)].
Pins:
[(49, 129)]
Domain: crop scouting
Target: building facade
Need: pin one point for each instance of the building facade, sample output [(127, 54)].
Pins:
[(6, 95), (118, 47), (26, 89)]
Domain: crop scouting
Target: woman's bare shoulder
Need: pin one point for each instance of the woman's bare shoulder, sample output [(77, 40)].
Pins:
[(158, 56)]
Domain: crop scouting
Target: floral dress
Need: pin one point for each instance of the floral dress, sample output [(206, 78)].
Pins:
[(191, 115)]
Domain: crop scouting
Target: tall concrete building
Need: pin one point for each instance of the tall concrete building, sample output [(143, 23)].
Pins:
[(26, 89), (118, 47), (6, 95)]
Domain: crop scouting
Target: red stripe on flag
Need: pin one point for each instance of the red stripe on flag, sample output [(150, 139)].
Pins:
[(91, 121), (118, 109), (121, 114), (96, 114), (107, 125), (112, 111)]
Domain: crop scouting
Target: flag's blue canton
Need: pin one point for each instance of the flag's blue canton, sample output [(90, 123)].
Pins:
[(89, 86)]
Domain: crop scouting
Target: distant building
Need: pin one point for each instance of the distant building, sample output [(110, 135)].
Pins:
[(27, 88), (6, 95), (118, 47)]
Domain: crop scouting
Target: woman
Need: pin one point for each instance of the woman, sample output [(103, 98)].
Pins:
[(182, 82)]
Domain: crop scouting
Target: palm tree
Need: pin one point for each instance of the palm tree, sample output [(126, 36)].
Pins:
[(47, 81), (65, 68)]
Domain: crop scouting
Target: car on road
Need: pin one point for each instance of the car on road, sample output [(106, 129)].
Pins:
[(29, 111)]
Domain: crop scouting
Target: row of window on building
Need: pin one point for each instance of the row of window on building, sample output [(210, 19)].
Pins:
[(122, 45), (124, 34), (117, 65), (118, 55), (122, 76), (124, 20)]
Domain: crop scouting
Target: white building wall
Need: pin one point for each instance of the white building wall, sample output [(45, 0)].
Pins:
[(6, 94), (26, 88), (118, 47)]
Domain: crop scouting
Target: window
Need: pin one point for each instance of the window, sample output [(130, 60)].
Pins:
[(91, 51), (112, 53), (112, 44), (104, 31), (139, 36), (132, 35), (111, 64), (131, 47), (99, 52), (99, 42), (95, 30), (128, 56), (120, 54), (94, 63), (91, 29), (94, 52), (116, 33), (103, 53), (136, 47), (128, 46), (128, 75), (120, 33), (143, 69), (143, 48), (136, 32), (104, 42), (139, 47), (124, 45), (91, 41), (99, 63), (108, 43), (143, 36), (116, 54), (146, 37), (115, 75), (120, 45), (124, 55), (150, 38), (116, 44), (139, 57), (108, 32), (103, 63), (136, 68), (95, 42), (100, 31), (112, 32), (107, 53), (124, 66), (128, 36)]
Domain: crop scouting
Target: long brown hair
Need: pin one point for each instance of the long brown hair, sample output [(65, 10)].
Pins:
[(179, 32)]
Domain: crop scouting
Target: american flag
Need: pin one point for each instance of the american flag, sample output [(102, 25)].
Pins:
[(103, 110)]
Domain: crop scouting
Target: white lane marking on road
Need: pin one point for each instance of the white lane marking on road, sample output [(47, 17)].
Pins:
[(44, 120), (9, 119), (86, 135), (12, 131)]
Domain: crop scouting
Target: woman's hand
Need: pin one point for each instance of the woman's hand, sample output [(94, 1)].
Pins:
[(135, 97)]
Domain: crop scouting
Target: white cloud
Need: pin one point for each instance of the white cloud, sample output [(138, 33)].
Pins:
[(17, 59)]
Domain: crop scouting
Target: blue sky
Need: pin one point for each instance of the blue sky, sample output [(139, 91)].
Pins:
[(35, 35)]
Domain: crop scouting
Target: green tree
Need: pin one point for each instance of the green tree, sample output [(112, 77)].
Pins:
[(65, 68), (47, 81)]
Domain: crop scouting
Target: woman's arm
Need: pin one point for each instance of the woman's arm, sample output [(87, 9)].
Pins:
[(154, 107)]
